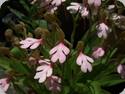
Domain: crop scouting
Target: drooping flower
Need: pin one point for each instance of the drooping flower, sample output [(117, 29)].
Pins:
[(99, 52), (53, 84), (96, 3), (84, 61), (59, 52), (78, 7), (44, 70), (121, 70), (30, 42), (4, 84), (102, 30)]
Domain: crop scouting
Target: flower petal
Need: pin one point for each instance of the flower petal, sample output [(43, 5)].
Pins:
[(35, 45), (42, 78), (62, 57), (55, 57)]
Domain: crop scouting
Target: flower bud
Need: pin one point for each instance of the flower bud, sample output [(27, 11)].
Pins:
[(80, 46), (8, 34), (40, 32)]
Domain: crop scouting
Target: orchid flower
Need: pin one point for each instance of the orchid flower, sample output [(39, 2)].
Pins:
[(30, 42), (78, 7), (57, 2), (59, 52), (84, 61), (44, 70), (4, 84), (53, 83), (99, 52), (102, 30), (121, 70)]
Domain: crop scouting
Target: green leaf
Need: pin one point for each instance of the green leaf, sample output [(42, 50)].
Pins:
[(66, 90), (4, 63), (82, 89), (41, 23), (18, 53), (17, 13), (111, 80), (19, 67)]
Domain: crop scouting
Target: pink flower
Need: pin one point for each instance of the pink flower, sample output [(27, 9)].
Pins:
[(121, 70), (57, 2), (30, 42), (78, 7), (84, 61), (4, 84), (102, 30), (44, 70), (99, 52), (96, 3), (59, 52), (53, 84)]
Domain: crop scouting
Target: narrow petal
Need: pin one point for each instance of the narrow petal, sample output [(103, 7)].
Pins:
[(89, 59), (42, 78), (66, 50), (49, 72), (5, 88), (84, 68), (24, 46), (41, 67), (89, 67), (119, 68), (53, 50), (37, 76), (79, 60), (35, 45), (62, 57), (54, 57)]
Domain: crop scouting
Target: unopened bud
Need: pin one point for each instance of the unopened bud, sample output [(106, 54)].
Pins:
[(40, 32), (9, 34), (80, 46)]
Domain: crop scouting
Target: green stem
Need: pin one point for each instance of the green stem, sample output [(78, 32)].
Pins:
[(74, 27)]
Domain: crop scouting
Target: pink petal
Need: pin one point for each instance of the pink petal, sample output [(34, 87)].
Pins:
[(49, 72), (38, 75), (41, 67), (35, 45), (53, 50), (6, 87), (84, 68), (54, 58), (119, 68), (89, 67), (79, 60), (62, 57), (89, 59), (25, 46), (65, 50), (44, 62), (42, 78)]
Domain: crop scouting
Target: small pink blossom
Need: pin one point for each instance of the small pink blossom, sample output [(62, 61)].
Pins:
[(53, 84), (44, 70), (96, 3), (84, 61), (4, 84), (121, 70), (102, 30), (57, 2), (99, 52), (30, 42), (78, 7), (59, 52)]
